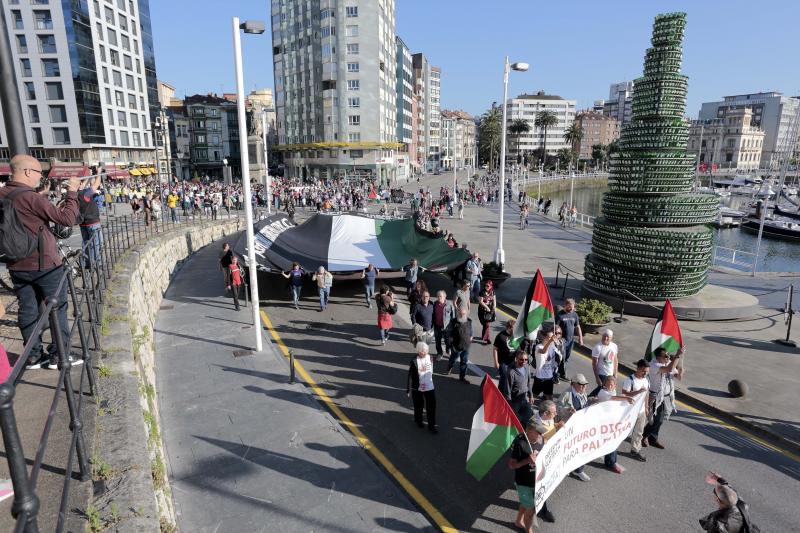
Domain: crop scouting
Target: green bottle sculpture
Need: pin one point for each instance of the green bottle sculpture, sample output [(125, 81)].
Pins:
[(653, 238)]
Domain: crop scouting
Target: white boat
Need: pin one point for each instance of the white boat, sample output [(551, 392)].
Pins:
[(742, 190)]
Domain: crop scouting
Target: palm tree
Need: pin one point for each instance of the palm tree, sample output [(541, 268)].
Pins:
[(573, 136), (545, 120), (516, 129), (489, 130)]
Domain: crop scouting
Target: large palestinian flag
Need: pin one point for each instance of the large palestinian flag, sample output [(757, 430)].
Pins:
[(666, 333), (347, 243), (494, 427), (537, 308)]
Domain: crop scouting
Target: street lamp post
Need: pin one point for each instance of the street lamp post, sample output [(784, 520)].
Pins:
[(500, 254), (267, 177), (257, 27)]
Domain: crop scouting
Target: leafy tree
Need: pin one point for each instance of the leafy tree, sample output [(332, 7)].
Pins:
[(599, 154), (544, 121), (516, 129), (490, 132), (573, 136)]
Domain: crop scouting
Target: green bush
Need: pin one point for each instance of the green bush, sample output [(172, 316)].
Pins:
[(593, 311)]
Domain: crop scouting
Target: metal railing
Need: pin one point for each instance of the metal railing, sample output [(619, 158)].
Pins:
[(86, 272), (731, 257), (530, 179)]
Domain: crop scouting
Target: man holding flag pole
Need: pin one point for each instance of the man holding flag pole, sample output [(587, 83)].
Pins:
[(665, 340)]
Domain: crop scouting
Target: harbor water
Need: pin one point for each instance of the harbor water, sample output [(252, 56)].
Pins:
[(775, 256)]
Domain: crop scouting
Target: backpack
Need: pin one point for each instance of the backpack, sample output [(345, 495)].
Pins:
[(16, 241)]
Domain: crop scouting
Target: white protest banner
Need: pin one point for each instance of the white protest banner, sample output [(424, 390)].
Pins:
[(588, 434)]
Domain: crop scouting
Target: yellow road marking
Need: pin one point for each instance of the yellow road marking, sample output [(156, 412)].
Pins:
[(712, 418), (410, 489)]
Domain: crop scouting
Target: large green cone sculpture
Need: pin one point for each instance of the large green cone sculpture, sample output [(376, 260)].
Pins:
[(653, 238)]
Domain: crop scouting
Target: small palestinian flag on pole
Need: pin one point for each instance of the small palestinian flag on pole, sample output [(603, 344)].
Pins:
[(666, 333), (494, 428), (537, 308)]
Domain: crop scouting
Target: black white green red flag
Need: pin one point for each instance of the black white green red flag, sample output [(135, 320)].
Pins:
[(494, 427), (537, 308), (666, 333)]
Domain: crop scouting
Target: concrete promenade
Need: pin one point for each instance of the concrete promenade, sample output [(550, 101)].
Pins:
[(717, 352), (247, 451)]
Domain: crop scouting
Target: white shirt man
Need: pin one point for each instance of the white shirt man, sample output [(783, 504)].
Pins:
[(604, 359)]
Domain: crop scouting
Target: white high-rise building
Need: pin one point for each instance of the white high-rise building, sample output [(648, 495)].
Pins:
[(527, 107), (619, 105), (335, 87), (87, 81)]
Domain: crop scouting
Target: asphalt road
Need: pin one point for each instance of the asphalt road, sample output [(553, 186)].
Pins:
[(341, 349)]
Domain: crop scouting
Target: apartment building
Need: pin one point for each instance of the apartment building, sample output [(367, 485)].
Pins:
[(87, 82), (527, 107), (336, 87)]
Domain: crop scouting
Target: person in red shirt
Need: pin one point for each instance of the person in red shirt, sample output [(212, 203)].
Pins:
[(235, 280)]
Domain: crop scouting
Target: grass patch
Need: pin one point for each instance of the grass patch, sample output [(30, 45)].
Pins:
[(159, 472), (101, 470), (93, 517), (104, 371)]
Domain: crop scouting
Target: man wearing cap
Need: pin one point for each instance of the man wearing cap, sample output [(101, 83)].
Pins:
[(571, 401), (728, 518), (524, 450)]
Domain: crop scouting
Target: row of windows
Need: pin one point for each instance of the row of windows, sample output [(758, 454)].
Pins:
[(58, 113), (122, 119), (129, 80), (119, 99), (109, 15), (47, 44), (41, 19), (53, 90), (125, 139), (50, 68), (60, 135)]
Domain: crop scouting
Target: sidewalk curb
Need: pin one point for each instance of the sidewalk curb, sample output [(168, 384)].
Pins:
[(767, 435)]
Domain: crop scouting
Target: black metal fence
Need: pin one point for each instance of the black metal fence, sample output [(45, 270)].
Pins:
[(86, 273)]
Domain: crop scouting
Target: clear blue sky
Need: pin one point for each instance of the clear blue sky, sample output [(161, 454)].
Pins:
[(575, 48)]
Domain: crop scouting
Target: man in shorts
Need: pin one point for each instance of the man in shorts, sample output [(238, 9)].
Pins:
[(523, 461)]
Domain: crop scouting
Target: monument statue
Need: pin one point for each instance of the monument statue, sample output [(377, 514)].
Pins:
[(255, 123), (653, 238)]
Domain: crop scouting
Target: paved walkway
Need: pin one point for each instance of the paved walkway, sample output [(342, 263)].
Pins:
[(246, 450), (717, 352)]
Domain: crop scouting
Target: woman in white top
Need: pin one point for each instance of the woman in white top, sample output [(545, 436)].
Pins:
[(419, 385)]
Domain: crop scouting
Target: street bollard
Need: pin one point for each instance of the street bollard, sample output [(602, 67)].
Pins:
[(558, 270), (621, 318), (788, 311), (291, 367)]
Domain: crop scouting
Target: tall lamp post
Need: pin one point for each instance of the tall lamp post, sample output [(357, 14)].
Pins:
[(257, 27), (500, 254), (267, 177)]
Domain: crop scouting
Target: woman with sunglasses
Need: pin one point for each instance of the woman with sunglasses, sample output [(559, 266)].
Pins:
[(547, 356)]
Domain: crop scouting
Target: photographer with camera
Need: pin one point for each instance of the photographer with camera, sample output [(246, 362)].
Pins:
[(89, 220), (29, 250)]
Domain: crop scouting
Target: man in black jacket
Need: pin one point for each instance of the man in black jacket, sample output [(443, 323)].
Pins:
[(462, 339)]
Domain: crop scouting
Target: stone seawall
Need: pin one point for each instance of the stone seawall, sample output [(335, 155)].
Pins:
[(128, 457)]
